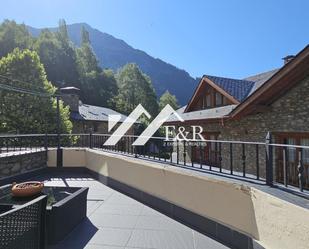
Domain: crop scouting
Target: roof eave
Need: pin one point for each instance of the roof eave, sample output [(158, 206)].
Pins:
[(199, 121)]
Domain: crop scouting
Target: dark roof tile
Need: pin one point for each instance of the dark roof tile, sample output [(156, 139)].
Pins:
[(95, 113), (239, 89)]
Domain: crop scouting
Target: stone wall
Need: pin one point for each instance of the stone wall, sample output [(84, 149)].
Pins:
[(22, 163), (98, 127), (290, 113)]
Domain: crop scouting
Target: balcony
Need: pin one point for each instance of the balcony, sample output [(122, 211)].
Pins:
[(154, 198)]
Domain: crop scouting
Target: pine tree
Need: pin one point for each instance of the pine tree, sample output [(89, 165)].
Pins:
[(86, 58), (168, 98), (13, 36), (135, 88)]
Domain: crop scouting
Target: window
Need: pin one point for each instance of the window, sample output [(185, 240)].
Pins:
[(218, 97), (210, 98)]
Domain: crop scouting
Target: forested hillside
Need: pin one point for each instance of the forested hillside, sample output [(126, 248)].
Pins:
[(114, 53), (49, 61)]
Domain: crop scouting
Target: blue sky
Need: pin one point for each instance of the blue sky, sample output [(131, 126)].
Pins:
[(223, 37)]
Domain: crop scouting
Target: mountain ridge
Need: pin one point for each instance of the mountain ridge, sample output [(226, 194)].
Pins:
[(114, 53)]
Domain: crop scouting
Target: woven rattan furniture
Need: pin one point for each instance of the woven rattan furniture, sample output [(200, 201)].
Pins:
[(24, 226)]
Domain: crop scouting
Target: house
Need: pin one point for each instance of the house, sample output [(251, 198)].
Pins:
[(247, 109), (86, 118)]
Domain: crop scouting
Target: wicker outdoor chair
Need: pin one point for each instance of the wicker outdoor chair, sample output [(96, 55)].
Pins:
[(24, 226)]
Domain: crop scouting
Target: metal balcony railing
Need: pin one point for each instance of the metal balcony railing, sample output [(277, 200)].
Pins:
[(262, 162)]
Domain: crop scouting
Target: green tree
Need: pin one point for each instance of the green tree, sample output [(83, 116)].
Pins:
[(99, 88), (168, 98), (62, 33), (86, 58), (50, 51), (135, 88), (12, 36), (58, 55), (85, 36), (68, 73), (22, 112)]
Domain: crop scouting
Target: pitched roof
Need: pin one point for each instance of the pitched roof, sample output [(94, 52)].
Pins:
[(239, 89), (95, 113), (276, 85), (260, 79)]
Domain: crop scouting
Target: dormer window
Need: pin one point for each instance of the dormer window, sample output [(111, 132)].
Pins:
[(211, 98), (213, 92)]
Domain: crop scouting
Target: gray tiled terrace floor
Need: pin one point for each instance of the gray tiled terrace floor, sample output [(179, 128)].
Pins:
[(116, 221)]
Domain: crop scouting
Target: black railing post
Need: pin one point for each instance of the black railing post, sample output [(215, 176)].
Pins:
[(135, 151), (177, 150), (90, 139), (45, 142), (231, 158), (184, 153), (257, 161), (243, 158), (58, 123), (285, 173), (300, 169), (201, 156), (269, 159), (220, 158), (171, 149), (59, 150)]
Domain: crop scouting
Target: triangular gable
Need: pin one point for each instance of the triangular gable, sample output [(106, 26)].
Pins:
[(202, 86)]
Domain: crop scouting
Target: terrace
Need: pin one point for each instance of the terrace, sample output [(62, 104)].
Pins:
[(156, 197)]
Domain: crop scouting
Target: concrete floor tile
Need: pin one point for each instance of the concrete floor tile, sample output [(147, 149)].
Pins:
[(161, 239), (123, 209), (147, 211), (203, 242), (159, 223), (113, 220), (111, 236)]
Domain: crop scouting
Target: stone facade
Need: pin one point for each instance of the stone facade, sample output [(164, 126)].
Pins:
[(85, 126), (289, 113), (22, 163), (97, 127)]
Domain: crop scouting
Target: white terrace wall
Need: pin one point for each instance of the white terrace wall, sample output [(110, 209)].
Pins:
[(274, 223)]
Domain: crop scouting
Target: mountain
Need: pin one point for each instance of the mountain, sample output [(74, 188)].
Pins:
[(114, 53)]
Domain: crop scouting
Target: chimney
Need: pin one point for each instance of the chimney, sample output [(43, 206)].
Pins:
[(288, 58), (70, 97)]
